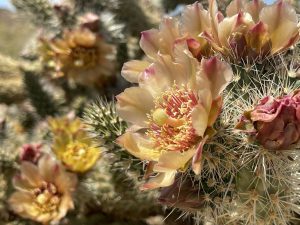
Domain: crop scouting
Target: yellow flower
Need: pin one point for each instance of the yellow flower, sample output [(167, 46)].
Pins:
[(252, 29), (72, 145), (81, 56), (172, 111), (43, 191)]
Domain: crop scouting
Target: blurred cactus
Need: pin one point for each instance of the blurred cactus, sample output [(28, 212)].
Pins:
[(118, 173), (40, 99), (134, 24), (104, 123), (40, 11), (11, 86)]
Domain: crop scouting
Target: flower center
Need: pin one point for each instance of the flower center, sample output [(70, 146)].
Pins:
[(47, 198), (76, 151), (84, 57), (170, 124)]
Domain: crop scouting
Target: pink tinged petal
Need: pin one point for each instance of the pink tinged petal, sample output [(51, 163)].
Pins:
[(161, 75), (189, 64), (225, 29), (22, 184), (199, 119), (133, 69), (213, 10), (215, 110), (194, 46), (258, 36), (160, 180), (195, 20), (169, 32), (175, 160), (134, 104), (219, 73), (282, 20), (254, 7), (30, 172), (204, 95), (47, 167), (150, 42), (235, 7), (220, 17), (196, 163), (65, 181), (139, 146)]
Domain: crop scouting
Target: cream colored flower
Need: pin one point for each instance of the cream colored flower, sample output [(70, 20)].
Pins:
[(82, 56), (72, 145), (43, 191), (252, 29), (172, 111)]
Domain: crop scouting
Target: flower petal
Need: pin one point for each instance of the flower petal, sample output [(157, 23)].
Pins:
[(133, 69), (31, 173), (282, 20), (254, 7), (235, 7), (47, 167), (150, 42), (219, 73), (195, 20), (134, 104), (139, 146), (18, 199), (160, 180), (196, 164), (169, 161), (161, 75), (199, 119), (215, 110)]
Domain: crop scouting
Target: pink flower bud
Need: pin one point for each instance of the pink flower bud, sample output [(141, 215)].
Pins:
[(30, 152)]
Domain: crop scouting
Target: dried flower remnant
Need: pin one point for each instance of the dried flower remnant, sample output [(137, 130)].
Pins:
[(274, 122), (72, 145), (81, 56), (43, 191), (172, 112)]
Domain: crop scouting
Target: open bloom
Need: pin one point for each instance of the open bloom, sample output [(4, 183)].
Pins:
[(172, 112), (274, 122), (43, 191), (252, 29), (82, 56), (72, 145)]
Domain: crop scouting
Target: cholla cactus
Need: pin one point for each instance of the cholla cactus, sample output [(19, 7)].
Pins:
[(232, 180), (40, 11)]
